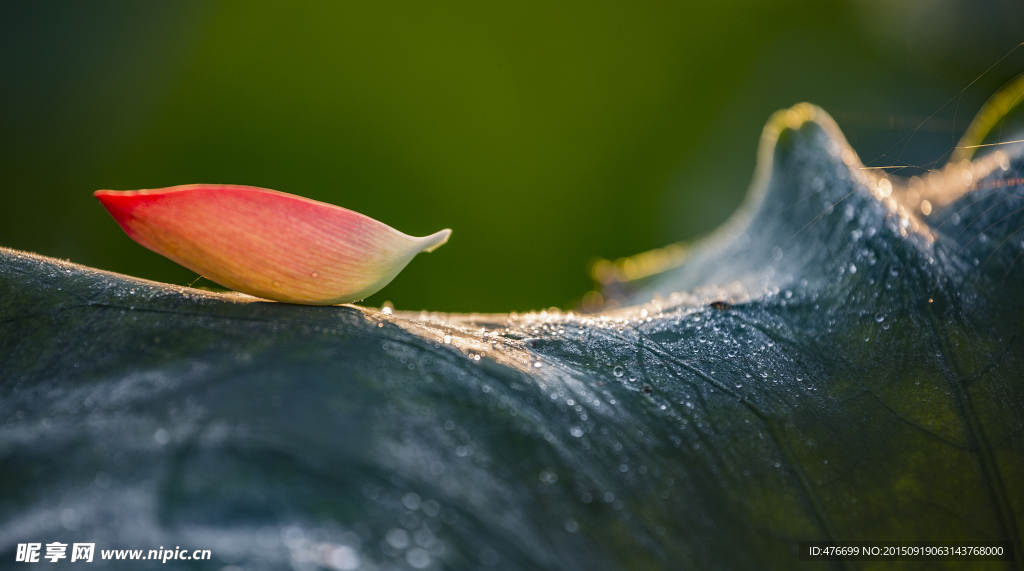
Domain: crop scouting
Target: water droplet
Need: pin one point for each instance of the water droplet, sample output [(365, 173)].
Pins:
[(879, 317), (538, 364), (447, 338), (576, 431), (162, 436), (397, 538), (738, 384), (632, 379), (411, 501), (315, 274), (418, 558), (571, 526), (618, 371)]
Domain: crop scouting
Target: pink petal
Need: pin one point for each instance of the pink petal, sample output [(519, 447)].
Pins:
[(267, 243)]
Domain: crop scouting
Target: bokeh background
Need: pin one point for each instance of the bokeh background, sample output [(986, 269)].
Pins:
[(545, 134)]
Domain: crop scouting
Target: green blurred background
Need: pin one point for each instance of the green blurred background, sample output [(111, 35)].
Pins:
[(544, 134)]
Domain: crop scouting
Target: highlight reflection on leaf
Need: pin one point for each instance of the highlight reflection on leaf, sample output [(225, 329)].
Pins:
[(834, 364)]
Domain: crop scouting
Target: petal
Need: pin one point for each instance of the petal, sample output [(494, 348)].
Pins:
[(266, 243)]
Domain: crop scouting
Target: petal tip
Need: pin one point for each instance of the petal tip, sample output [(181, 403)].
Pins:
[(118, 203), (436, 240)]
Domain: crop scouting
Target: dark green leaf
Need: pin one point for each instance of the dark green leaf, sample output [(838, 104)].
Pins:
[(863, 380)]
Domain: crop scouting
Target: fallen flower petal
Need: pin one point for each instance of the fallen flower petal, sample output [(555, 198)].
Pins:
[(266, 243)]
